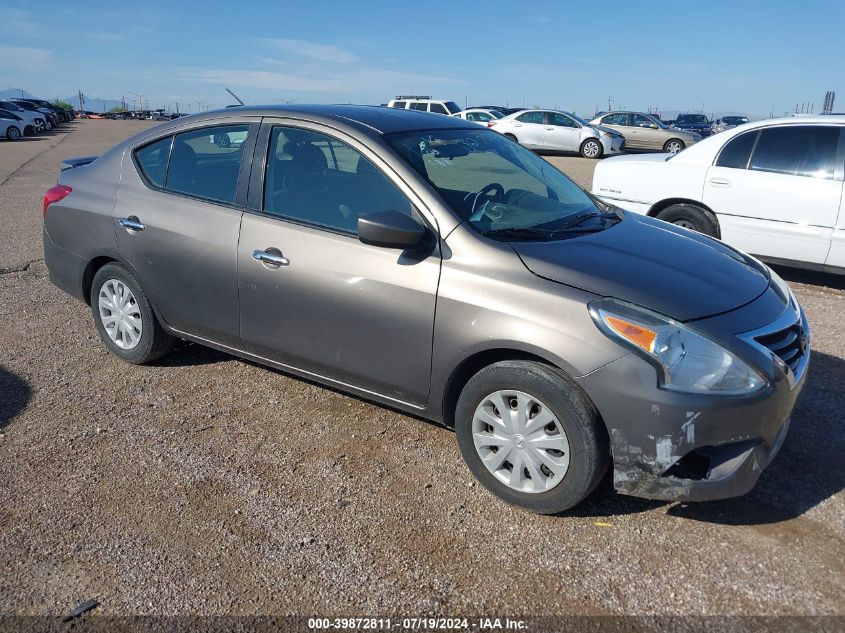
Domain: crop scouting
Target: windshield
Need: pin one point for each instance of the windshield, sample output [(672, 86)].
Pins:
[(692, 118), (493, 183), (452, 107), (577, 118)]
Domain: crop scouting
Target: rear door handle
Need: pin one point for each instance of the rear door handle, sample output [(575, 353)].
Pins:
[(132, 224), (271, 257), (720, 182)]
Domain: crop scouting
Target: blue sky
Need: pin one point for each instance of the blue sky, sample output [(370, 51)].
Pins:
[(748, 56)]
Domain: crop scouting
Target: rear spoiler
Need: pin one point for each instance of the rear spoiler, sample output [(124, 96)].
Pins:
[(79, 161)]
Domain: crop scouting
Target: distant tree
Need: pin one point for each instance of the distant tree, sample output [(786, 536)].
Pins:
[(118, 109), (64, 105)]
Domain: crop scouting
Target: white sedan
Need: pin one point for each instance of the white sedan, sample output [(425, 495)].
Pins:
[(482, 116), (771, 188), (552, 130)]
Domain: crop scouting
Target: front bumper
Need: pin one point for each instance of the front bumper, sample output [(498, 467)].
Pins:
[(613, 144), (675, 446)]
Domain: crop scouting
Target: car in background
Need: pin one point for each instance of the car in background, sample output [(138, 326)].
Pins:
[(728, 123), (332, 236), (643, 131), (481, 116), (696, 123), (424, 104), (504, 110), (34, 122), (11, 125), (50, 119), (770, 188), (553, 130), (62, 115)]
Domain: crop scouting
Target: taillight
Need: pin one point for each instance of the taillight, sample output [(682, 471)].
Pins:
[(54, 194), (491, 123)]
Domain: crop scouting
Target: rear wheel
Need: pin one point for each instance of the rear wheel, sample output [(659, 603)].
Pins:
[(691, 217), (13, 133), (124, 317), (531, 436), (592, 148), (673, 146)]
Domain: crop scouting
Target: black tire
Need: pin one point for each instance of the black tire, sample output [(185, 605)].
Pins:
[(154, 341), (691, 217), (511, 137), (13, 133), (585, 432), (592, 149), (673, 143)]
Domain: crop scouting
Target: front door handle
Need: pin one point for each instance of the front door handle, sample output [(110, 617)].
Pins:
[(720, 182), (270, 257), (132, 224)]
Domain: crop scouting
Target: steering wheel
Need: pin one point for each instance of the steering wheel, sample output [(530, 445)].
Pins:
[(492, 188)]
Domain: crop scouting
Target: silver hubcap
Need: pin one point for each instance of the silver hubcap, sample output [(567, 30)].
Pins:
[(591, 149), (520, 441), (674, 147), (13, 133), (120, 314)]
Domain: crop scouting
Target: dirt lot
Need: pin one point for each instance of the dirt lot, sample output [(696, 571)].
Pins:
[(209, 485)]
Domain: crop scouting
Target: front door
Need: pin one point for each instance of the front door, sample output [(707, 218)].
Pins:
[(777, 191), (325, 303), (646, 132), (177, 217)]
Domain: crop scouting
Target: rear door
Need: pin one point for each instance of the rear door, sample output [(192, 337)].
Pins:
[(356, 314), (563, 133), (777, 191), (530, 129), (177, 218)]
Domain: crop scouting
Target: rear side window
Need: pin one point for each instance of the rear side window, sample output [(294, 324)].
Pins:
[(735, 154), (532, 117), (619, 118), (206, 163), (797, 150), (419, 106), (152, 160)]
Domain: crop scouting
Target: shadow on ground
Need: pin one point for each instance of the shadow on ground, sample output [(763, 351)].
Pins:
[(15, 393), (798, 275)]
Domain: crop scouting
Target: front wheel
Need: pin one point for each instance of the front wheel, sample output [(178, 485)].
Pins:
[(592, 148), (531, 436), (13, 133), (124, 317), (673, 146)]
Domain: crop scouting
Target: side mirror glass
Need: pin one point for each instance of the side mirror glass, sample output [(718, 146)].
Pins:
[(390, 229)]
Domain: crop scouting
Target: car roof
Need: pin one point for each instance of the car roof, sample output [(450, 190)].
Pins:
[(367, 119)]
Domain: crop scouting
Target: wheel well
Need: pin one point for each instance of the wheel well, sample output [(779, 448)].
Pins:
[(663, 204), (510, 136), (88, 276), (471, 366)]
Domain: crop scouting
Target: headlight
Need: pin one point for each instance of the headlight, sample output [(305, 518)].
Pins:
[(696, 137), (685, 361)]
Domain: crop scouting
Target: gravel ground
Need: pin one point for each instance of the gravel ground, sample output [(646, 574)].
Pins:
[(209, 485)]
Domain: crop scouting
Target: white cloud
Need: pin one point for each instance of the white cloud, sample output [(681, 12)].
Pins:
[(24, 57), (310, 50)]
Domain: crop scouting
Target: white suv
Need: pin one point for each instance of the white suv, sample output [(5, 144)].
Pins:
[(424, 104)]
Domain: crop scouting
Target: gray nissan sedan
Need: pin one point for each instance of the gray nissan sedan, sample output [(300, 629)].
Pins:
[(437, 267)]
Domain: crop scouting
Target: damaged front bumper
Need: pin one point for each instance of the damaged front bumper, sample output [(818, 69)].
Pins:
[(676, 446)]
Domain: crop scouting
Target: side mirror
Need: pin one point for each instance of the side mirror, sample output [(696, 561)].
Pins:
[(653, 126), (390, 229)]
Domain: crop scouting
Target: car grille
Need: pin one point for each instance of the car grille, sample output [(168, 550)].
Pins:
[(788, 344)]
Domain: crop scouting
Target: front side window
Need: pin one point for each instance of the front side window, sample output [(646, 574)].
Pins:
[(736, 153), (438, 108), (317, 179), (206, 163), (532, 117), (640, 120), (152, 160), (561, 120), (498, 187), (797, 150)]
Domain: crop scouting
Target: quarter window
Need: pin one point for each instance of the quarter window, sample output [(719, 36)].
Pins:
[(798, 150), (735, 154), (532, 117), (206, 163), (152, 160), (317, 179)]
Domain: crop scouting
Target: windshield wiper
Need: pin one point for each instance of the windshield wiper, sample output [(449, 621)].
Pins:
[(581, 218), (519, 233)]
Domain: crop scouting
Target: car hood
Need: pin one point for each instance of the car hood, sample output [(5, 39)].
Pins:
[(679, 273)]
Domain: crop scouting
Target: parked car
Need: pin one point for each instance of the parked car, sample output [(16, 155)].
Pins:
[(696, 123), (424, 104), (504, 110), (728, 123), (551, 130), (643, 131), (560, 345), (34, 122), (62, 115), (50, 120), (479, 115), (11, 125), (771, 188)]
